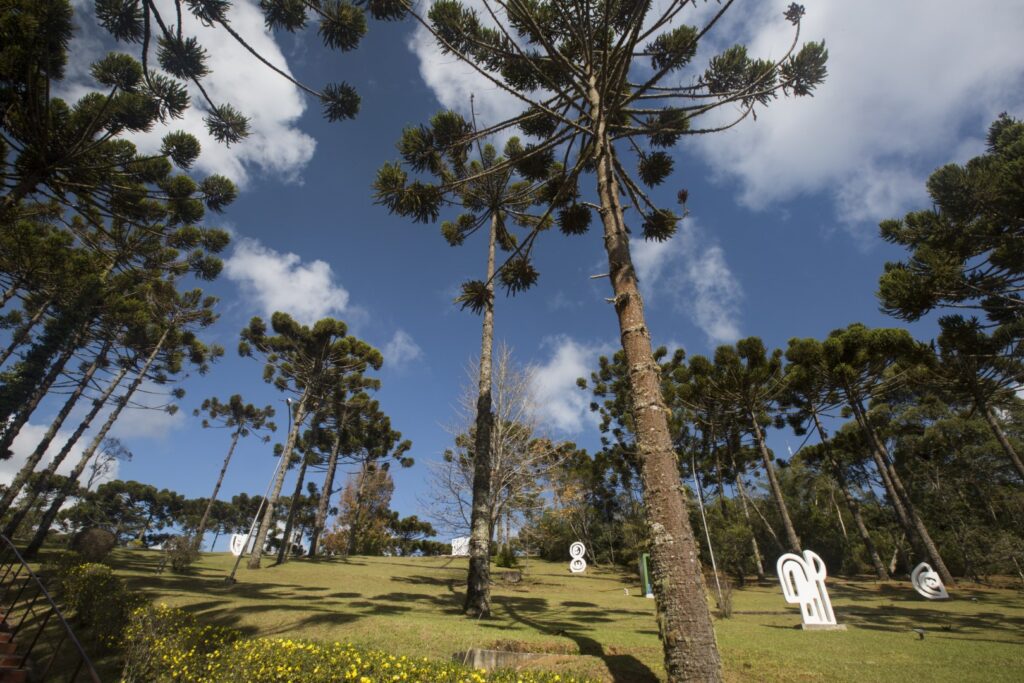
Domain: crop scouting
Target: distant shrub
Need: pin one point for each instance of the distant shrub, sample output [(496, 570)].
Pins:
[(506, 557), (99, 600), (179, 553), (93, 544)]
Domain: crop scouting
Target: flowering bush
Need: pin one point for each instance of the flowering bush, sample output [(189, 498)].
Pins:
[(164, 644)]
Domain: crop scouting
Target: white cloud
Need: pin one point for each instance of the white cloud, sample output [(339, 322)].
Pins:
[(401, 350), (905, 81), (453, 81), (282, 282), (560, 403), (273, 105), (695, 277)]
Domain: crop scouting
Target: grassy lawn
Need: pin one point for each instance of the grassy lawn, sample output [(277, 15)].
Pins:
[(411, 606)]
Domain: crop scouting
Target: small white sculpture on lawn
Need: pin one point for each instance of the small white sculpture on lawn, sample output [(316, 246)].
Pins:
[(927, 582), (803, 582), (460, 546), (577, 564), (238, 543)]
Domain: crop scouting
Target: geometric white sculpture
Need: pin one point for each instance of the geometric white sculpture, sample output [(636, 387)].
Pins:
[(460, 546), (577, 564), (803, 582), (238, 543), (927, 582)]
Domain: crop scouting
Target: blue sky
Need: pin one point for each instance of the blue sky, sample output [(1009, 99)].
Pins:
[(781, 240)]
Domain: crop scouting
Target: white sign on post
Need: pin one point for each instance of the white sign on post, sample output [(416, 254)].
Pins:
[(460, 546), (803, 583), (577, 564), (238, 543), (927, 582)]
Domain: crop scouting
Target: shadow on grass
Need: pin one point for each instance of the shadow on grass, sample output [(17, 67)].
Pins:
[(624, 668)]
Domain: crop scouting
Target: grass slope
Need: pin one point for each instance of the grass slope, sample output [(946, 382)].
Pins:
[(411, 606)]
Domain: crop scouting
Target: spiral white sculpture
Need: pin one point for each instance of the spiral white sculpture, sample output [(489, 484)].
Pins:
[(803, 582), (927, 582), (577, 550)]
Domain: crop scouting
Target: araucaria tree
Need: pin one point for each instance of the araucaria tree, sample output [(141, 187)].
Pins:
[(305, 362), (242, 419), (602, 82), (490, 200)]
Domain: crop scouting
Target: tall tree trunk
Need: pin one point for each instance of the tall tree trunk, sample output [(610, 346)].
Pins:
[(21, 335), (773, 481), (862, 530), (44, 526), (325, 494), (730, 448), (916, 527), (997, 430), (478, 582), (851, 501), (13, 426), (33, 460), (145, 527), (283, 551), (33, 491), (684, 618), (271, 503), (216, 489)]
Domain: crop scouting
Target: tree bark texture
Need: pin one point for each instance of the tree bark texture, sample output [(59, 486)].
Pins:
[(773, 481), (683, 614), (325, 494), (13, 427), (282, 552), (915, 527), (851, 501), (44, 526), (478, 582), (51, 432), (282, 470), (33, 491), (1000, 435)]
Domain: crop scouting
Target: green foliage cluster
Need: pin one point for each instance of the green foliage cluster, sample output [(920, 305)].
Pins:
[(180, 553), (93, 544), (97, 600)]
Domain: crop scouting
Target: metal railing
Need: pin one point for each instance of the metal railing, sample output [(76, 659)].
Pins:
[(26, 608)]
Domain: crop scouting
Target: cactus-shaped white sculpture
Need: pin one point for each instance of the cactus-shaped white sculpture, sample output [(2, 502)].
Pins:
[(577, 550), (927, 582), (803, 582)]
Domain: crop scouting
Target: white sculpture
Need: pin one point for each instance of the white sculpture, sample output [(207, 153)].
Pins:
[(927, 582), (803, 582), (460, 546), (577, 564), (238, 543)]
